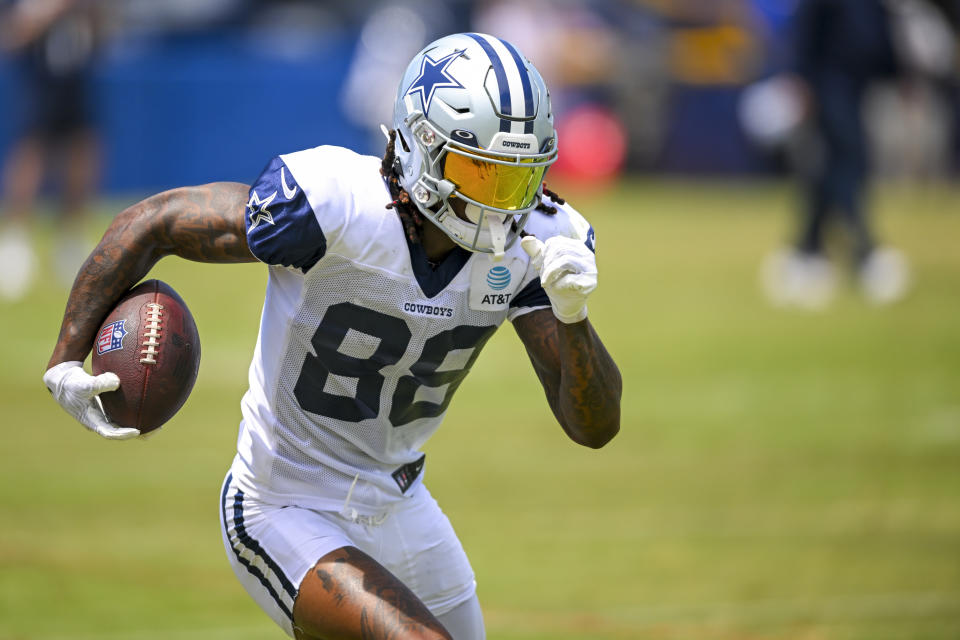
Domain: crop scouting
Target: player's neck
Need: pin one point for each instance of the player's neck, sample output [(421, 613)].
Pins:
[(436, 244)]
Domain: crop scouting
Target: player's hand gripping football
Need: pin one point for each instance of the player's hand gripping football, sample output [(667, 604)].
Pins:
[(76, 391), (568, 273)]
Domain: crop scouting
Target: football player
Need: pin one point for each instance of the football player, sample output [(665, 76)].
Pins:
[(386, 278)]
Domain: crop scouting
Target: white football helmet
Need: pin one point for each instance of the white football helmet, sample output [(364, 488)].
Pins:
[(473, 122)]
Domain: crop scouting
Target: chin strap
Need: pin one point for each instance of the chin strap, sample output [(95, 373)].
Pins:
[(498, 235), (491, 233)]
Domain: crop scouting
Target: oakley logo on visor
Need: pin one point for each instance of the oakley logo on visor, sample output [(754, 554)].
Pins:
[(465, 137)]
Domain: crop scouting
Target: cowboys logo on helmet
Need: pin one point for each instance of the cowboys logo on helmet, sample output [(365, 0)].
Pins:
[(474, 124)]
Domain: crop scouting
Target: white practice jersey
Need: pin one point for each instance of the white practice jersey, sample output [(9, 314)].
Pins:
[(362, 343)]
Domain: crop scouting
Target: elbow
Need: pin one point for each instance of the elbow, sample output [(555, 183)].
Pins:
[(594, 436), (603, 438), (137, 229), (595, 442), (595, 420), (604, 423)]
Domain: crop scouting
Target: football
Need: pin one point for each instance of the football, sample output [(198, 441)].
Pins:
[(150, 341)]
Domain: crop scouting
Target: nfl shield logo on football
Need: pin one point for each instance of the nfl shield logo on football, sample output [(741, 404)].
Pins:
[(110, 337)]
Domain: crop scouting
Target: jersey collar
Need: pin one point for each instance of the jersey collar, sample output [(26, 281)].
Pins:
[(433, 281)]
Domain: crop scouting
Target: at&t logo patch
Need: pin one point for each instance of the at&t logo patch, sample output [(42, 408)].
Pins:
[(498, 278), (110, 337), (492, 284)]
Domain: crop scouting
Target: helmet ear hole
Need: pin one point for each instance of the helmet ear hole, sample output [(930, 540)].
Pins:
[(403, 142)]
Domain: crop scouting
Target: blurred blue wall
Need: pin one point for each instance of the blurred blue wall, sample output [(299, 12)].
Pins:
[(217, 105), (192, 109), (179, 109)]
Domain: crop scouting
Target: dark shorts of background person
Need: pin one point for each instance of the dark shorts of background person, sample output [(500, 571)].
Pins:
[(56, 105)]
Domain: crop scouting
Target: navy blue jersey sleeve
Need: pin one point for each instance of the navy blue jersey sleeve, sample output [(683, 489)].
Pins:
[(531, 296), (282, 228)]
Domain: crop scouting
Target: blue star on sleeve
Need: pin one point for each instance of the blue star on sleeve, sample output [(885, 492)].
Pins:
[(282, 228), (257, 211)]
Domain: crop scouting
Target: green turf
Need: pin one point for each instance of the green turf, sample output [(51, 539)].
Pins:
[(778, 475)]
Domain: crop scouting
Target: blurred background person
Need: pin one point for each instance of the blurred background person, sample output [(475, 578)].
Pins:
[(919, 147), (839, 48), (379, 58), (53, 44)]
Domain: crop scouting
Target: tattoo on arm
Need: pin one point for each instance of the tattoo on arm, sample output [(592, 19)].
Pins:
[(581, 381), (592, 390), (204, 223), (538, 332)]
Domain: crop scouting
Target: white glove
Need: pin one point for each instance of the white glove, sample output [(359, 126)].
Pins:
[(77, 391), (568, 273)]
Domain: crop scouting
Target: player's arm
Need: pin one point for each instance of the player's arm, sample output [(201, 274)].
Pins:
[(580, 379), (582, 383), (204, 223)]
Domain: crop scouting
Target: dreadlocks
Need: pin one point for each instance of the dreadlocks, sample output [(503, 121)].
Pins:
[(546, 208), (410, 216)]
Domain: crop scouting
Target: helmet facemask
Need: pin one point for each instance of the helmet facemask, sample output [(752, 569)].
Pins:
[(498, 189)]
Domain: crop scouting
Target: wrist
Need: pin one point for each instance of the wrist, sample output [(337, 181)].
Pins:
[(55, 374), (63, 353), (568, 316), (58, 368)]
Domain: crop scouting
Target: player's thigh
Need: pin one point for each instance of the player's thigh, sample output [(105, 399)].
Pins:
[(271, 548), (407, 572), (419, 545), (349, 595), (303, 569)]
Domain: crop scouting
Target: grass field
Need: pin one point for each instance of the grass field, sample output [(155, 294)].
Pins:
[(778, 474)]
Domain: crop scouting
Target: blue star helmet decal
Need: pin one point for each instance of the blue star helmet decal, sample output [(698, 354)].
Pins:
[(433, 76)]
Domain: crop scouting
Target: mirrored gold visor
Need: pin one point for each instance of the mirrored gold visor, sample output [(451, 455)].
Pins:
[(503, 186)]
